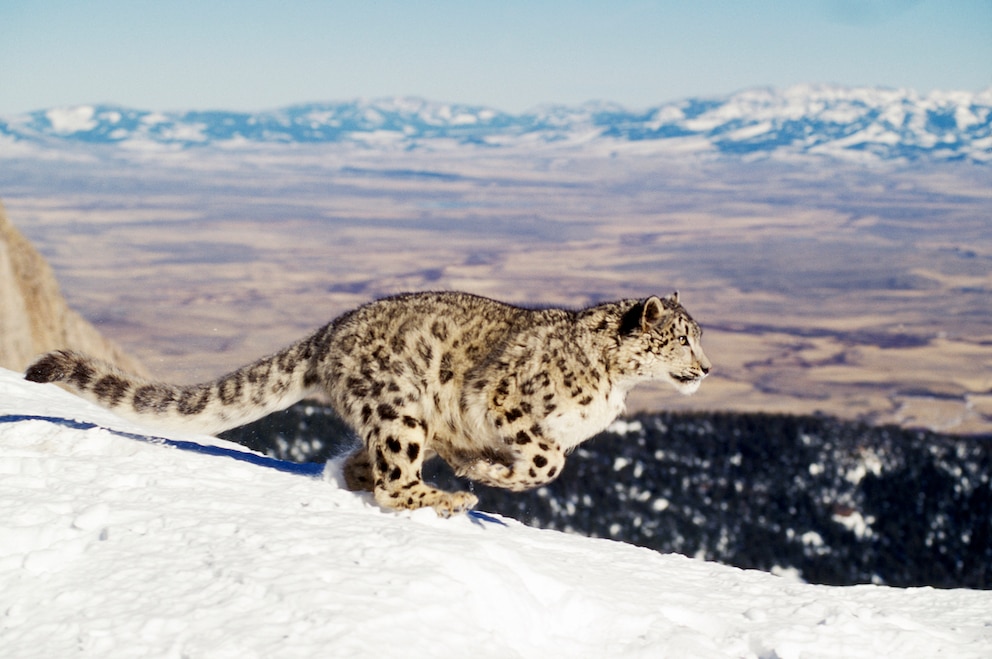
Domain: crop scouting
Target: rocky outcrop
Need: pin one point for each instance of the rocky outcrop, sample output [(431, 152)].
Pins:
[(34, 317)]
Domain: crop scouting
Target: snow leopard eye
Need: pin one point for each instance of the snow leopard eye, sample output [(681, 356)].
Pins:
[(684, 340)]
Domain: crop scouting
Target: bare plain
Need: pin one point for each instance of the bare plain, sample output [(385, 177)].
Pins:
[(863, 291)]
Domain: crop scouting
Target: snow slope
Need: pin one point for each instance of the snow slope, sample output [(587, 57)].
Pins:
[(111, 546)]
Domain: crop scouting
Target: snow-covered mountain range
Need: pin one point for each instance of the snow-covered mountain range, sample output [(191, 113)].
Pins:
[(858, 123)]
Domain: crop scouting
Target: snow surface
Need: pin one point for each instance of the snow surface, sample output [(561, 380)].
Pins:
[(111, 546)]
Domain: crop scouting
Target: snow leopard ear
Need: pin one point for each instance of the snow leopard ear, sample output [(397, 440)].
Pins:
[(642, 317), (653, 311), (674, 297)]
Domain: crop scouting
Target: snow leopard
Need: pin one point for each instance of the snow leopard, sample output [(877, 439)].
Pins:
[(500, 392)]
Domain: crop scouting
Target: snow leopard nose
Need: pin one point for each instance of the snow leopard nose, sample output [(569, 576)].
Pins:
[(704, 364)]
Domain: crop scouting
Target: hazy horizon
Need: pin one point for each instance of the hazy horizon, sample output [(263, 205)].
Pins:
[(511, 56)]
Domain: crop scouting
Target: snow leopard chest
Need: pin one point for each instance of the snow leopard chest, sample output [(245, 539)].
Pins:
[(577, 423)]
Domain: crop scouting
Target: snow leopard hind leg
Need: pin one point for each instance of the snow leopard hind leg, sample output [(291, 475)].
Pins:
[(390, 464)]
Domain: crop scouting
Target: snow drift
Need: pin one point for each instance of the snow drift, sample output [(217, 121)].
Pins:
[(113, 544)]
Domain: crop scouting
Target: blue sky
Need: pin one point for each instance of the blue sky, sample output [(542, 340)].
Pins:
[(512, 55)]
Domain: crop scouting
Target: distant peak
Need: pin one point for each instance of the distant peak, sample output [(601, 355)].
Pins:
[(802, 120)]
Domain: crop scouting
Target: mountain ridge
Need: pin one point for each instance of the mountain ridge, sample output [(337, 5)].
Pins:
[(863, 123), (832, 501)]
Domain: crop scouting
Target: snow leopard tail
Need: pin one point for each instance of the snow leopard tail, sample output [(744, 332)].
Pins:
[(270, 384)]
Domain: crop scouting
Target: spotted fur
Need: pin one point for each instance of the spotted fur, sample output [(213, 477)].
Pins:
[(500, 392)]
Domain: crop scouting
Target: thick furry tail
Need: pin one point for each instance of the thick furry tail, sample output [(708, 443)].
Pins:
[(247, 394)]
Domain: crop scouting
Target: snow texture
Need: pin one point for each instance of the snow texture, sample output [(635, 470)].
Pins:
[(116, 545)]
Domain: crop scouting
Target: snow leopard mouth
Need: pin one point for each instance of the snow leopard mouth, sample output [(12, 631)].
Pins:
[(687, 384)]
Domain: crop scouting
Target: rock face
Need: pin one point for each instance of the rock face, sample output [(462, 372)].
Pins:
[(34, 317)]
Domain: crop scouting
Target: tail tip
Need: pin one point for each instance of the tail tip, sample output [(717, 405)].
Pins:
[(51, 367)]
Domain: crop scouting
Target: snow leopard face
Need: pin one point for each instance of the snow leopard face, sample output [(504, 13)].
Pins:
[(663, 343)]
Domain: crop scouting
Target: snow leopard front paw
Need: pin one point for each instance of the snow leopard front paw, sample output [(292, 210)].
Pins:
[(496, 474), (529, 469), (421, 495), (453, 503)]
